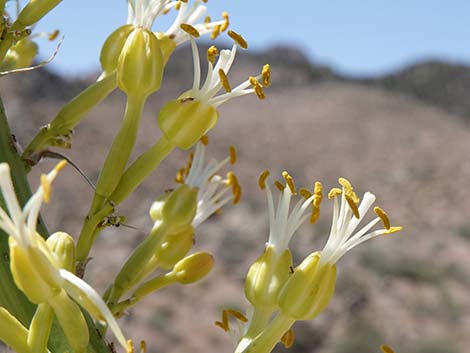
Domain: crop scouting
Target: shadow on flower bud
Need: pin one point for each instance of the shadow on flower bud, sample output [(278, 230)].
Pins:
[(174, 248)]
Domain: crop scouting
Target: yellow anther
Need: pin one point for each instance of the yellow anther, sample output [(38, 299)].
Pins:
[(257, 87), (165, 11), (266, 74), (394, 229), (46, 187), (233, 154), (288, 338), (353, 205), (383, 217), (215, 32), (289, 182), (130, 346), (180, 176), (236, 189), (317, 199), (190, 30), (237, 315), (207, 20), (60, 165), (386, 349), (345, 184), (204, 140), (226, 23), (224, 323), (143, 347), (212, 54), (305, 193), (280, 186), (262, 179), (178, 5), (224, 81), (237, 38), (334, 192), (53, 35), (189, 163)]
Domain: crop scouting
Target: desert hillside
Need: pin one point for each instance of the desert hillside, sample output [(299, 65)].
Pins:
[(409, 147)]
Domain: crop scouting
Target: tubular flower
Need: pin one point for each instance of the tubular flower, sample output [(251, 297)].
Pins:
[(347, 215), (40, 268), (185, 120), (214, 191)]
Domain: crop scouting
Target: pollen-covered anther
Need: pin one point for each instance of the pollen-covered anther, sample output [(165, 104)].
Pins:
[(224, 81), (266, 75), (212, 54), (143, 347), (288, 338), (207, 20), (352, 204), (280, 186), (130, 346), (305, 193), (334, 192), (262, 179), (180, 176), (383, 217), (317, 199), (237, 38), (233, 154), (192, 31), (226, 23), (345, 184), (257, 87), (289, 182), (52, 36), (204, 140), (386, 349), (224, 324), (232, 180), (216, 31), (394, 229)]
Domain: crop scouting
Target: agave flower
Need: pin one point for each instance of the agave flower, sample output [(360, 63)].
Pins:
[(40, 272)]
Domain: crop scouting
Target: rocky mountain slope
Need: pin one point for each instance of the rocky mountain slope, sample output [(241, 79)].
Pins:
[(409, 290)]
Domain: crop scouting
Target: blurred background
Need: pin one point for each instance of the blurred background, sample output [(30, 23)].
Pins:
[(377, 92)]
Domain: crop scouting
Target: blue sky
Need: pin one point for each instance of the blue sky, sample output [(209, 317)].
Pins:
[(362, 37)]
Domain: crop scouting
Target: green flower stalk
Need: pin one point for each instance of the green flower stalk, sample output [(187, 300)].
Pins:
[(41, 269)]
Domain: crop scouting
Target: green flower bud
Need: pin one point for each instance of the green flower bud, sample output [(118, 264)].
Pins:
[(33, 272), (20, 55), (180, 208), (63, 248), (35, 10), (194, 267), (174, 248), (184, 121), (309, 289), (265, 278), (140, 65), (112, 48)]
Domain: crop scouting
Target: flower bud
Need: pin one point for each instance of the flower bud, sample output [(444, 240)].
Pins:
[(309, 289), (180, 208), (20, 55), (33, 272), (35, 10), (174, 248), (63, 248), (266, 276), (194, 267), (140, 64), (184, 121), (157, 207), (112, 48)]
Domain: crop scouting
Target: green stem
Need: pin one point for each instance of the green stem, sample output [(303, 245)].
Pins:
[(119, 153), (258, 322), (132, 177), (71, 114)]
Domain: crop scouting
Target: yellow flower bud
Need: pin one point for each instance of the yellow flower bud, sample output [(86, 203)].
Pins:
[(63, 248), (35, 10), (112, 48), (174, 248), (266, 276), (184, 121), (309, 289), (140, 65), (33, 272), (194, 267), (180, 208), (20, 55)]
